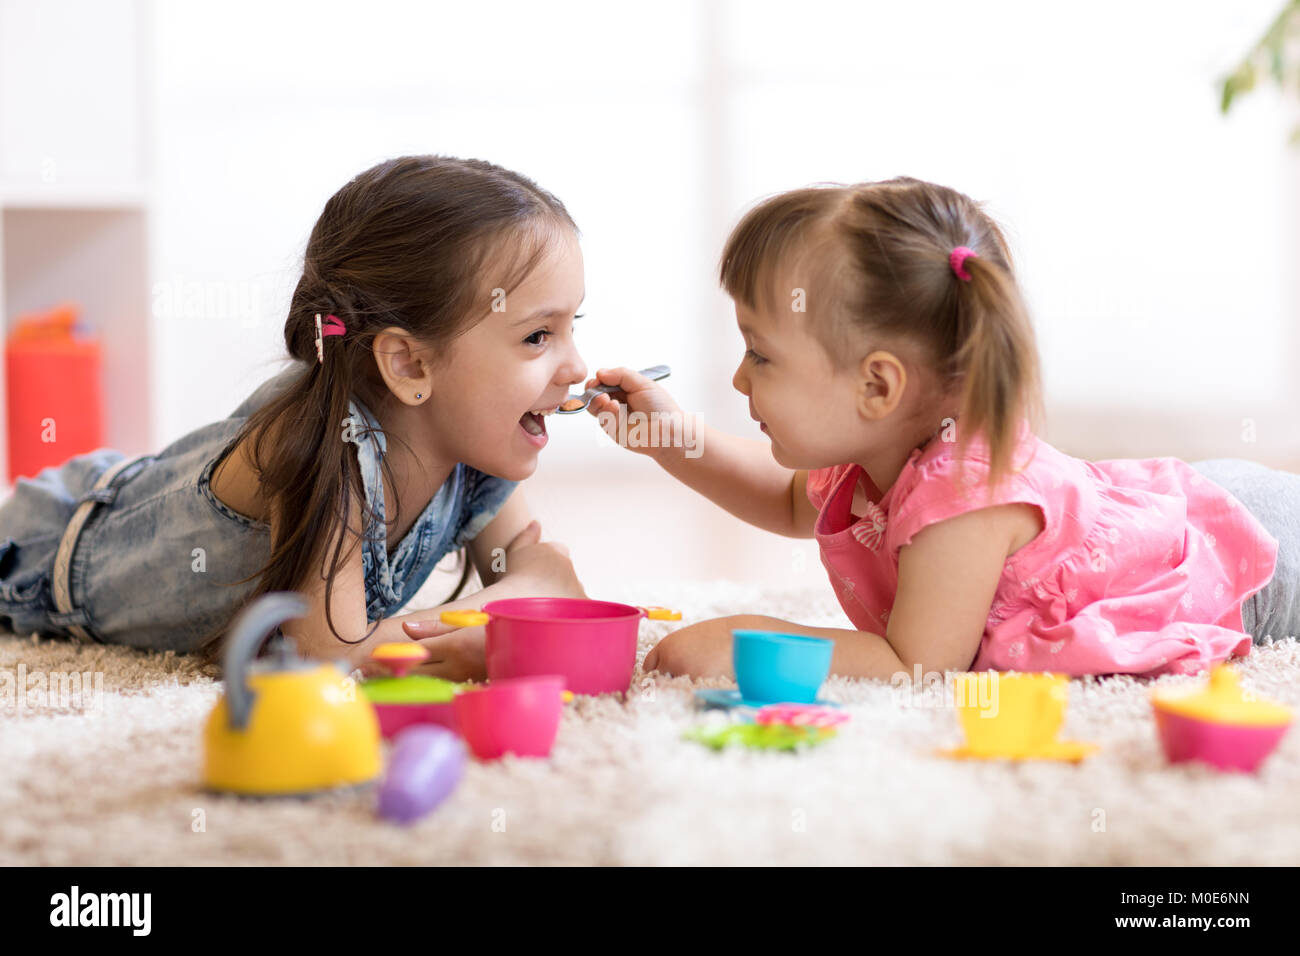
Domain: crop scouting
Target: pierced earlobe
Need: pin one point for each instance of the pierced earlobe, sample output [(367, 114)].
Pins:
[(417, 395)]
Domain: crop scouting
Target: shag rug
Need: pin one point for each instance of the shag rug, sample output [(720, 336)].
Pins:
[(117, 784)]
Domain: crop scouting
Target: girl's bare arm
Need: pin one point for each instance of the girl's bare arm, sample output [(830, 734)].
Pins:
[(741, 476), (738, 474)]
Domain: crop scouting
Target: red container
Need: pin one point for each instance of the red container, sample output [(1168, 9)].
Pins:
[(54, 399)]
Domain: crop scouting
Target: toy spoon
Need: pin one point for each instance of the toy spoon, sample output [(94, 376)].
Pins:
[(576, 403)]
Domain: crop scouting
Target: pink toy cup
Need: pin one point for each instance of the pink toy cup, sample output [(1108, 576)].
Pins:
[(592, 644), (518, 715)]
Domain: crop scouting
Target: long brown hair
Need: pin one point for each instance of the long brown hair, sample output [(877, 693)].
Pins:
[(880, 252), (417, 242)]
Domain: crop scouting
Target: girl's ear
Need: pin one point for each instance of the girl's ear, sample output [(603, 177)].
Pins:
[(405, 365), (881, 380)]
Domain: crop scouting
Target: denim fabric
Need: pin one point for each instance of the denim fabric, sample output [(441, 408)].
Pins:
[(458, 511), (156, 562), (1274, 498)]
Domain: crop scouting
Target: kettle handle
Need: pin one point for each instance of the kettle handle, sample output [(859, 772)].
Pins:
[(253, 625)]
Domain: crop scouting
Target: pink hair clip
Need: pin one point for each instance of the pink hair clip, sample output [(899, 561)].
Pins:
[(957, 259), (333, 326)]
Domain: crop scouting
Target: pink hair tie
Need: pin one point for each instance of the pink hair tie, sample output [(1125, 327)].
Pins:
[(957, 259), (333, 326)]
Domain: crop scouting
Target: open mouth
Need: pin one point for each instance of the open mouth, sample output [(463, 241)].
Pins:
[(534, 422)]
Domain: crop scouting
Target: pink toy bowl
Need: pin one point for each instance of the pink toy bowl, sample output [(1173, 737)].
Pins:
[(397, 717), (1220, 745), (592, 644), (516, 715), (407, 699), (1221, 725)]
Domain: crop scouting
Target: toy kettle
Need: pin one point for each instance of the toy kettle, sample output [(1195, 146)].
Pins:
[(286, 725)]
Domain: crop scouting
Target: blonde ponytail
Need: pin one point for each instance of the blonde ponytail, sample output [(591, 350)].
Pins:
[(997, 362)]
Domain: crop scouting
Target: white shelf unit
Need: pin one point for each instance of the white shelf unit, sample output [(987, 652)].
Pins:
[(75, 100)]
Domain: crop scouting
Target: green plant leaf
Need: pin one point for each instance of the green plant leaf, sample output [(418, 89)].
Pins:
[(1269, 53), (1229, 90)]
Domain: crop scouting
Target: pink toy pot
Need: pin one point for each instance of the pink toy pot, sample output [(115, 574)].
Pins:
[(517, 715), (1220, 745), (592, 644)]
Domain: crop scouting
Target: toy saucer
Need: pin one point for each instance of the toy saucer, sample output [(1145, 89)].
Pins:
[(1070, 751), (760, 736), (717, 698)]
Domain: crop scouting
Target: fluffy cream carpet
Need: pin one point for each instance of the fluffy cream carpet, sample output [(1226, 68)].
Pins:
[(119, 785)]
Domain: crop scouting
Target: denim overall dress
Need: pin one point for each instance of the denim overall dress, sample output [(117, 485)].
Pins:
[(139, 551)]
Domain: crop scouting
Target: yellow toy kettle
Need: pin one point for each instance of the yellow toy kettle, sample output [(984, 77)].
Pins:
[(286, 726)]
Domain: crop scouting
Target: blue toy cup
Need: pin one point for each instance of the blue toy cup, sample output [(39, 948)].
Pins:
[(780, 668)]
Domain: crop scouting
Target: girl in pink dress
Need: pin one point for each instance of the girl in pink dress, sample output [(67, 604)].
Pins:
[(892, 365)]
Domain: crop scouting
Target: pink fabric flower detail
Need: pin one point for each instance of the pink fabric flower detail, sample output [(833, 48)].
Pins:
[(870, 531)]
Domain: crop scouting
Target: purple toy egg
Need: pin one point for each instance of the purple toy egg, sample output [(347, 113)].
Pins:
[(426, 764)]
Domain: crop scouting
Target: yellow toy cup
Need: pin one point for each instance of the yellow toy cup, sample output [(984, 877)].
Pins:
[(1013, 715), (1010, 713)]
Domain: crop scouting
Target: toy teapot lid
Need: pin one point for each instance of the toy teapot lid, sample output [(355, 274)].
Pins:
[(399, 656), (1222, 702)]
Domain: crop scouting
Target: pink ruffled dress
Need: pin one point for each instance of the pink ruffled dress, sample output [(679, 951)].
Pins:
[(1142, 566)]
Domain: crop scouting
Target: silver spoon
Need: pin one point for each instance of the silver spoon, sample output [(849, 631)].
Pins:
[(567, 407)]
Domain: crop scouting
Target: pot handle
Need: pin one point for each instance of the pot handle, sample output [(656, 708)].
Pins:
[(467, 618), (253, 625), (476, 618), (656, 613)]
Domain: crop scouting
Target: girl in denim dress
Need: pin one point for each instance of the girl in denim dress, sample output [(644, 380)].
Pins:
[(431, 334)]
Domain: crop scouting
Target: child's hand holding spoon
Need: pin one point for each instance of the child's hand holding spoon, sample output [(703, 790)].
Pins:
[(622, 393), (612, 381), (637, 390)]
